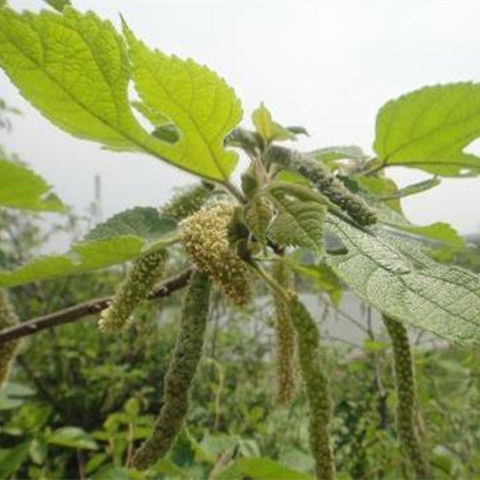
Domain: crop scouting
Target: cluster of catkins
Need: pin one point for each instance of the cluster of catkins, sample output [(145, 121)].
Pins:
[(205, 236)]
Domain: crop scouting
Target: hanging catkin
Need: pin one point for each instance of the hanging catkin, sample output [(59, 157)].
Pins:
[(8, 318), (180, 373), (317, 385), (407, 406), (285, 354), (325, 182), (138, 283)]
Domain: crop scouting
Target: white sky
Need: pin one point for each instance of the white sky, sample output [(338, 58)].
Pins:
[(326, 65)]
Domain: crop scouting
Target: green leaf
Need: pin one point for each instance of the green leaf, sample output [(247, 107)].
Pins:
[(339, 152), (199, 103), (145, 222), (72, 437), (408, 286), (381, 187), (74, 68), (58, 5), (38, 450), (324, 278), (12, 459), (22, 188), (441, 232), (430, 128), (121, 238), (83, 257), (266, 469), (267, 128), (300, 216), (415, 188)]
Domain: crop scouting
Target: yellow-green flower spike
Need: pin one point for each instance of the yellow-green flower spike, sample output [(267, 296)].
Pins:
[(285, 354), (8, 318), (317, 385), (139, 282), (407, 406), (180, 373), (205, 238)]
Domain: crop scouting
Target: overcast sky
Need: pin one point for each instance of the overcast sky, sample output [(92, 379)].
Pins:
[(326, 65)]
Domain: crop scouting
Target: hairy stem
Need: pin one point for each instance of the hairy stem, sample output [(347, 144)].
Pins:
[(180, 373), (406, 396)]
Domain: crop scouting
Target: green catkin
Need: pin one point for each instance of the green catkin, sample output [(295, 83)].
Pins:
[(326, 183), (8, 318), (314, 374), (407, 406), (180, 374), (186, 202), (133, 290), (285, 354), (205, 236)]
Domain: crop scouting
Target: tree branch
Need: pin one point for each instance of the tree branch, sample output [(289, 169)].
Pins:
[(71, 314)]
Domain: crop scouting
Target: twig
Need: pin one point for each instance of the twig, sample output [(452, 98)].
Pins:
[(76, 312)]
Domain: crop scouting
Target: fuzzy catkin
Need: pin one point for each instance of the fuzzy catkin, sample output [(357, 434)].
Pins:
[(180, 374), (205, 237), (187, 202), (326, 183), (314, 374), (8, 318), (407, 407), (285, 352), (132, 291)]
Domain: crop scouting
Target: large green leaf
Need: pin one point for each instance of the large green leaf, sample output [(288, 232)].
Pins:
[(200, 104), (408, 286), (429, 129), (74, 68), (22, 188), (118, 240)]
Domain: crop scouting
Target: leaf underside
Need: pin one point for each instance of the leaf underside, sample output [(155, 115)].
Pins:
[(405, 284)]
